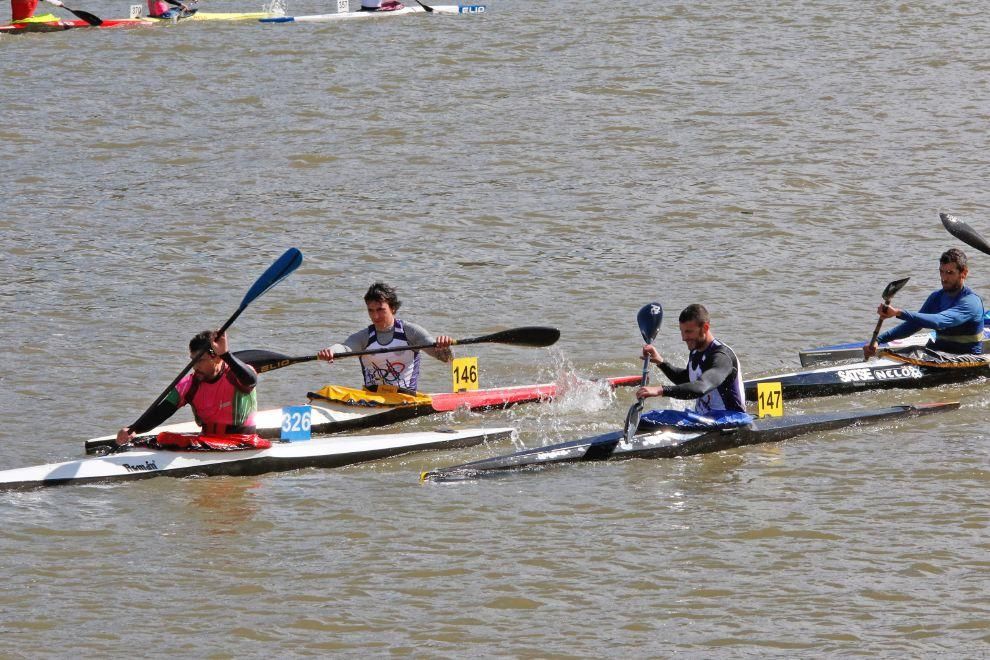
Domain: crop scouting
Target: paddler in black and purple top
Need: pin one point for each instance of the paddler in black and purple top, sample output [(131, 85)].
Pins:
[(712, 376), (399, 369), (954, 312)]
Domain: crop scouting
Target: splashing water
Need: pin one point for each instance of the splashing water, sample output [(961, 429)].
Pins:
[(276, 7)]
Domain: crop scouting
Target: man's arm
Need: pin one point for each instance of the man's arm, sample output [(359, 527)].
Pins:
[(417, 335), (673, 374), (968, 308), (154, 418), (245, 376), (356, 342)]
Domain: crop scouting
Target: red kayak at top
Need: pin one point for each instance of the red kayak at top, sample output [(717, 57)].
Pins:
[(23, 27)]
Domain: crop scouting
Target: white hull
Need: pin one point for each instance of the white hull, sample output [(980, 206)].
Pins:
[(324, 452), (353, 15)]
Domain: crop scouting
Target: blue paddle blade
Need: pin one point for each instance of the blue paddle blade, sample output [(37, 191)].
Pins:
[(277, 272), (649, 318)]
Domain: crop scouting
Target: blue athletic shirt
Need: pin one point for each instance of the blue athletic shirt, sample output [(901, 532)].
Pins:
[(956, 318)]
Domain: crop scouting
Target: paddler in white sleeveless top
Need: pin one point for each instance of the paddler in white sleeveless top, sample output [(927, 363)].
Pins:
[(399, 369), (712, 376)]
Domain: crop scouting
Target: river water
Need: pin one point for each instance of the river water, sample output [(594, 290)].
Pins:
[(544, 163)]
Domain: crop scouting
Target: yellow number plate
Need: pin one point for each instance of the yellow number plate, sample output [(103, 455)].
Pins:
[(769, 400), (465, 373)]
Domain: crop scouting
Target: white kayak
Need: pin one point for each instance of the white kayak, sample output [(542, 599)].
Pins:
[(321, 452), (330, 416), (343, 13)]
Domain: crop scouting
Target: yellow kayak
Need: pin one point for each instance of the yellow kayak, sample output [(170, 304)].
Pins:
[(230, 16)]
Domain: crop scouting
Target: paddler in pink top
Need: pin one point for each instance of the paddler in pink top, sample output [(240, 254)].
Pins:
[(220, 389), (162, 9), (381, 5), (23, 10)]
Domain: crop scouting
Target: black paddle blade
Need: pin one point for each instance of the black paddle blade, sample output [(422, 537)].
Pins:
[(964, 232), (95, 21), (632, 419), (649, 319), (536, 336), (893, 288), (429, 9)]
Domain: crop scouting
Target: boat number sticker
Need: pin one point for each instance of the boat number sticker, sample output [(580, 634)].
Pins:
[(465, 373), (769, 400), (297, 422), (865, 374)]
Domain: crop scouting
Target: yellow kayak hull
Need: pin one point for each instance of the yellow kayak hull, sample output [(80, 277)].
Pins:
[(229, 16)]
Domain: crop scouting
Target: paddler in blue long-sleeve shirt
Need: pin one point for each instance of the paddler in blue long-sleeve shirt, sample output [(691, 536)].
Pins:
[(954, 312)]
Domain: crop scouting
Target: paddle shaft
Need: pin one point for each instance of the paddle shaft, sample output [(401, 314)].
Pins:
[(876, 330), (533, 336), (84, 15), (648, 318), (185, 370), (279, 270), (286, 361)]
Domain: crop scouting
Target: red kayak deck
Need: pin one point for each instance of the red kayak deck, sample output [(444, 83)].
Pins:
[(58, 26), (507, 396)]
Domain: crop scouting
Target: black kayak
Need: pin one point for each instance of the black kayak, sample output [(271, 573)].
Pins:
[(670, 442), (929, 369)]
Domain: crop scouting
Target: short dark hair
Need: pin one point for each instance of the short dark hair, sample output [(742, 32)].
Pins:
[(202, 342), (954, 256), (381, 292), (696, 313)]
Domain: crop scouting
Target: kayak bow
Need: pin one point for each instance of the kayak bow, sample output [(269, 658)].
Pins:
[(337, 451)]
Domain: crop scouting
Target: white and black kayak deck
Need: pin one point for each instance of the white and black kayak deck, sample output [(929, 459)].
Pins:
[(879, 374), (667, 442), (319, 452)]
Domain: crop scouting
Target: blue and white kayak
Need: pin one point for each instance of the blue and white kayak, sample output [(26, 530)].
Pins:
[(343, 13), (320, 452), (854, 350)]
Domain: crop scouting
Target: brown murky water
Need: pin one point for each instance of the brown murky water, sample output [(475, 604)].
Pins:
[(545, 163)]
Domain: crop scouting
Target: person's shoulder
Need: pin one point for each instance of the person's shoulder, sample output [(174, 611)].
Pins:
[(719, 346), (414, 328)]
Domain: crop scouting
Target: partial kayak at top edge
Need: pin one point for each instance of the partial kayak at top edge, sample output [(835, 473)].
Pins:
[(349, 15), (60, 25)]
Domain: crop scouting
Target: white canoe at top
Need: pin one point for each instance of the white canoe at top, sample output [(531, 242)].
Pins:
[(323, 452), (343, 13)]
